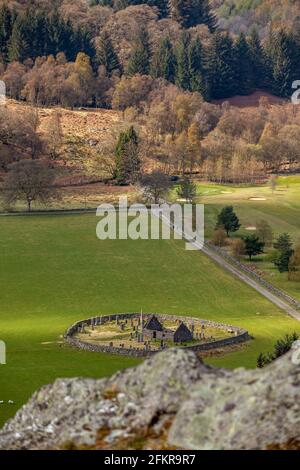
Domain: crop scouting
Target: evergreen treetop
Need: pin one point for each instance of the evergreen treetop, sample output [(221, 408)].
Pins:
[(106, 55), (182, 78), (163, 61), (139, 61), (228, 219)]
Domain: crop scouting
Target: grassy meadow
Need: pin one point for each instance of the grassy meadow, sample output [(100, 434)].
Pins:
[(54, 271), (281, 209)]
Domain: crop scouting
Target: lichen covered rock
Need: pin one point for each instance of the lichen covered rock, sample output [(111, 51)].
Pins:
[(172, 394), (248, 410)]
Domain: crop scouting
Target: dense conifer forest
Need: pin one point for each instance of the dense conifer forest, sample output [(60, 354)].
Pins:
[(179, 41)]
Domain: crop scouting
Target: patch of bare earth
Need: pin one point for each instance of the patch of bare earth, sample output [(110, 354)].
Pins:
[(252, 100)]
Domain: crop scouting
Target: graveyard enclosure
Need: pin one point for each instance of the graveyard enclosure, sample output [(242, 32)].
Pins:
[(137, 334)]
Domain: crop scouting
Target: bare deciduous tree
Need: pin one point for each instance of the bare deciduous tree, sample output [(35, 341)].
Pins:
[(54, 135), (29, 180), (155, 186), (265, 232), (219, 237), (238, 248)]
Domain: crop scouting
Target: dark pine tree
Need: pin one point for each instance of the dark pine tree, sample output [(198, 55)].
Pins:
[(77, 45), (257, 60), (294, 48), (279, 50), (67, 38), (127, 162), (139, 61), (245, 76), (106, 55), (228, 220), (6, 24), (18, 46), (61, 37), (283, 260), (163, 61), (179, 11), (284, 245), (196, 68), (55, 34), (253, 246), (190, 13), (283, 242), (161, 5), (41, 35), (208, 16), (297, 46), (221, 66), (182, 78), (29, 31), (86, 44), (71, 42)]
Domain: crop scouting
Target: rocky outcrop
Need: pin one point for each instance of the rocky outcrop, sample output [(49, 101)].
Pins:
[(172, 400)]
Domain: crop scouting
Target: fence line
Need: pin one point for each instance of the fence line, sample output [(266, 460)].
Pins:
[(242, 267)]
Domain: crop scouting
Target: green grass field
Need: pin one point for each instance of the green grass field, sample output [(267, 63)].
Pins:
[(281, 209), (55, 271)]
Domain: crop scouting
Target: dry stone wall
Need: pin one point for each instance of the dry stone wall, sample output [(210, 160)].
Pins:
[(239, 335)]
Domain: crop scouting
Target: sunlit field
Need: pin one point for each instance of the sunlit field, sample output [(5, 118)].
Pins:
[(54, 271), (280, 208)]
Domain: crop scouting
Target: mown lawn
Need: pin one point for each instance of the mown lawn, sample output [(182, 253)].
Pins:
[(54, 271), (281, 209)]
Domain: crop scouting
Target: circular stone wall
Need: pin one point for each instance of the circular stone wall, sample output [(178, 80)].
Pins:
[(236, 334)]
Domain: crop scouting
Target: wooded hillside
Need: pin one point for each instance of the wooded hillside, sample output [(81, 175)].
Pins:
[(163, 72), (242, 15), (76, 55)]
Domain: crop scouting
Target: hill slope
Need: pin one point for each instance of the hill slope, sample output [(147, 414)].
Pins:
[(242, 15)]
